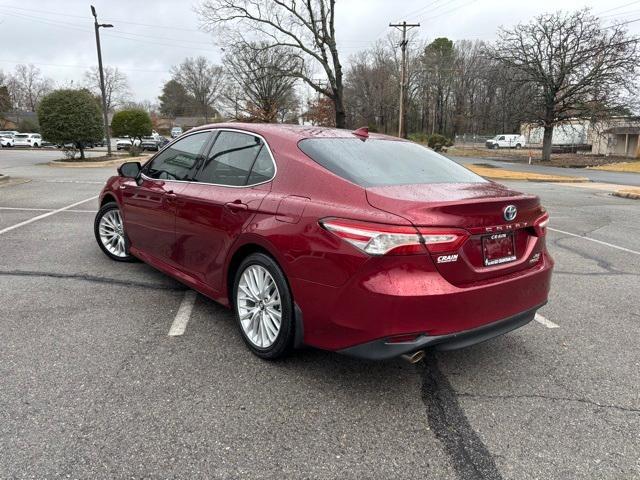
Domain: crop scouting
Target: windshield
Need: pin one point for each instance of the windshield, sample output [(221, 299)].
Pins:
[(375, 163)]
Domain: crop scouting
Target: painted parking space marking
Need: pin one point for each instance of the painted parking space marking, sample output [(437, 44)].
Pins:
[(24, 209), (628, 250), (179, 324), (544, 321), (45, 215)]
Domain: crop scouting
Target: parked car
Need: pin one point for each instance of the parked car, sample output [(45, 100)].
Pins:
[(125, 143), (359, 243), (33, 140), (6, 140), (176, 132), (11, 133), (149, 143), (506, 141)]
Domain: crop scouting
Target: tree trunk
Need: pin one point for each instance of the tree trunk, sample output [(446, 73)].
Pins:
[(81, 152), (547, 143), (341, 116)]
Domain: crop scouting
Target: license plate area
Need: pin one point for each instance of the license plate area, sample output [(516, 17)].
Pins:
[(498, 248)]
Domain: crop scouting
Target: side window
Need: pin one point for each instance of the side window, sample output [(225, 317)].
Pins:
[(263, 168), (230, 160), (176, 162)]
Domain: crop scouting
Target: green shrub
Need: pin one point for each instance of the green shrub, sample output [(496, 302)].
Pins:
[(439, 142), (70, 116), (135, 123), (419, 137)]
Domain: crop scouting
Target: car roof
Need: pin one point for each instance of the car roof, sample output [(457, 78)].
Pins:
[(291, 132)]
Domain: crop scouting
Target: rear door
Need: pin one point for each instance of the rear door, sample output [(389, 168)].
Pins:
[(218, 205), (149, 206)]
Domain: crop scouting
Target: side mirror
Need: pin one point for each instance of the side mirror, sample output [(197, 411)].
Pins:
[(130, 170)]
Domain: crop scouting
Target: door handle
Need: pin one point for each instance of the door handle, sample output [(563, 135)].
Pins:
[(236, 205)]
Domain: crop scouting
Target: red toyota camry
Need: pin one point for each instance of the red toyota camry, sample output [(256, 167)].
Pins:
[(358, 243)]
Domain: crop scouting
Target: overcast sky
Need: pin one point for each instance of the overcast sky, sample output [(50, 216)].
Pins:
[(149, 37)]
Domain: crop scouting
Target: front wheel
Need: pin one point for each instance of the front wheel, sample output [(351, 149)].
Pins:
[(108, 228), (518, 146), (264, 307)]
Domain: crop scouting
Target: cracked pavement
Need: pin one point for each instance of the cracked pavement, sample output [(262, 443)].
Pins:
[(91, 385)]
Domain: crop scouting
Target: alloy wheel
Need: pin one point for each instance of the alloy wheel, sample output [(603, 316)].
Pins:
[(259, 306), (111, 230)]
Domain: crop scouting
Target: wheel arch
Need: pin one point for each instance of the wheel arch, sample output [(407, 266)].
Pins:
[(107, 198), (257, 245)]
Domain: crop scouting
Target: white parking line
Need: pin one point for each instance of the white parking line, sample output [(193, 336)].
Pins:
[(45, 215), (179, 324), (543, 321), (25, 209), (595, 241)]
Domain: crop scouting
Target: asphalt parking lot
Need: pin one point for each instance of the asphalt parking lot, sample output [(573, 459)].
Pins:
[(93, 386)]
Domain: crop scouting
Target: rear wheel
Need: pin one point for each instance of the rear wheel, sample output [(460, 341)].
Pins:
[(263, 306), (108, 228), (518, 146)]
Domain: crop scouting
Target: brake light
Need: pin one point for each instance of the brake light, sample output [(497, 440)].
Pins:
[(439, 240), (540, 225), (379, 239)]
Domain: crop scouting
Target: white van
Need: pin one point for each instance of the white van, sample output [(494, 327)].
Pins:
[(506, 141), (27, 140)]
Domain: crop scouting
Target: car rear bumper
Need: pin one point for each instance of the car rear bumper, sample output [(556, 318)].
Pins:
[(408, 298), (383, 349)]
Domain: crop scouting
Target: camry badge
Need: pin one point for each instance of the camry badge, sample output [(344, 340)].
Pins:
[(510, 212)]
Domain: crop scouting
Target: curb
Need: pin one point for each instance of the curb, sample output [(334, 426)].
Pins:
[(626, 194), (90, 164), (501, 174)]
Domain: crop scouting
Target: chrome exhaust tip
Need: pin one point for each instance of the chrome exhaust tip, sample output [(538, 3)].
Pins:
[(414, 357)]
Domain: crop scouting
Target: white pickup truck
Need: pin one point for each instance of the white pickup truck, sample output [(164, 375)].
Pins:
[(506, 141)]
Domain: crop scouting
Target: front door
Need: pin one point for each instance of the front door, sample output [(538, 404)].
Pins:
[(149, 206)]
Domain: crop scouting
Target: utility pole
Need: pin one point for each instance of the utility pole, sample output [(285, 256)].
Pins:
[(104, 96), (403, 27)]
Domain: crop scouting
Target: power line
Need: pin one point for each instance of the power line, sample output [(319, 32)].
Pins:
[(66, 26), (172, 27), (619, 7), (446, 12), (77, 26), (79, 66)]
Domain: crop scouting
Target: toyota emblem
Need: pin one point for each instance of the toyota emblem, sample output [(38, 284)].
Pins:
[(510, 212)]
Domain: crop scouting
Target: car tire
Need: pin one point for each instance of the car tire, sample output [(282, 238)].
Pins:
[(518, 146), (272, 301), (108, 229), (36, 145)]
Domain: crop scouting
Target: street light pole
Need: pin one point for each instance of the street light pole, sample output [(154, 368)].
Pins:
[(102, 89)]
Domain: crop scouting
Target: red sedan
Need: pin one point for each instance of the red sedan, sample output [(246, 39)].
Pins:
[(359, 243)]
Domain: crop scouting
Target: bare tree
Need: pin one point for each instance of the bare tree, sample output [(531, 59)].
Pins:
[(371, 89), (116, 86), (265, 77), (30, 86), (306, 26), (578, 68), (202, 80)]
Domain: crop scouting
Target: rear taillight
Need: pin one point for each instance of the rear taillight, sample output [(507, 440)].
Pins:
[(379, 239), (540, 225), (440, 240)]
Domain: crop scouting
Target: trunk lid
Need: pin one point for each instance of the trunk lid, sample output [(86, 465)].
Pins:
[(477, 208)]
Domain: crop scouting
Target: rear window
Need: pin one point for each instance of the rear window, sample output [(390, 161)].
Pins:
[(21, 136), (379, 163)]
